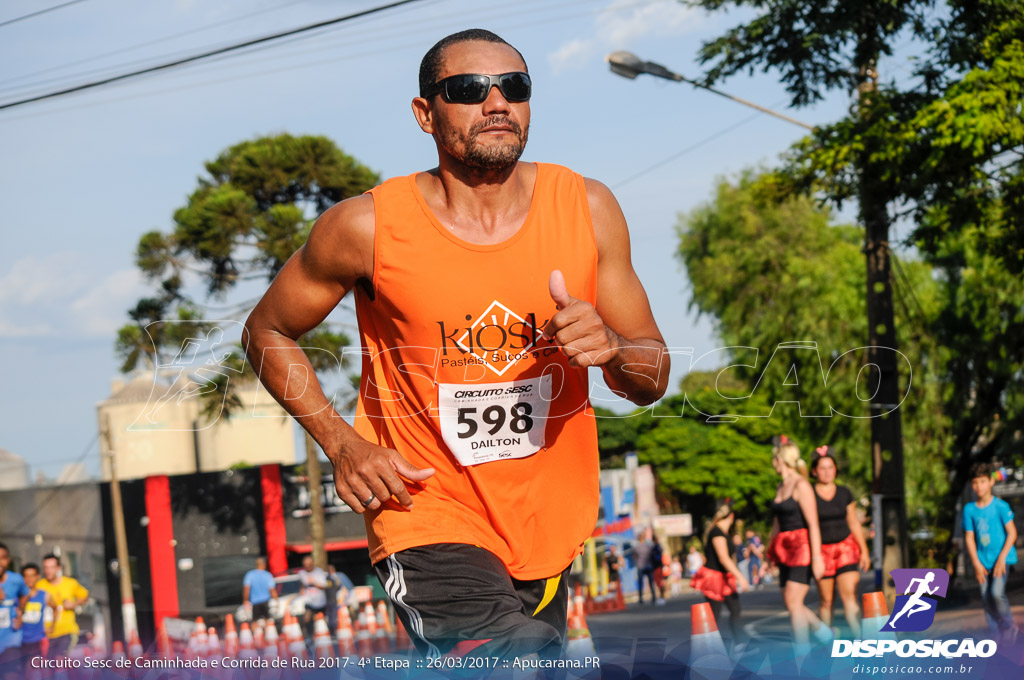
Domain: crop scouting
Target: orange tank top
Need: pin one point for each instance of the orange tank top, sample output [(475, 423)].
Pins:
[(457, 377)]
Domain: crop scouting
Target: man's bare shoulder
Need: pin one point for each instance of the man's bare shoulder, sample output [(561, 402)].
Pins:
[(340, 245), (610, 228)]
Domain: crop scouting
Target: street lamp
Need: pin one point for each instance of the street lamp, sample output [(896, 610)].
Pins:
[(628, 65)]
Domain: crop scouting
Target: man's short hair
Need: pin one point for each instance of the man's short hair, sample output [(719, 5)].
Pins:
[(980, 470), (3, 546), (30, 565), (430, 67)]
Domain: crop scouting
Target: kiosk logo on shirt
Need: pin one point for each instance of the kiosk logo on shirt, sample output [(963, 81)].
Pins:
[(497, 338)]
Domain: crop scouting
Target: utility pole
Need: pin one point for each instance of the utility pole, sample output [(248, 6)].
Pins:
[(120, 538), (886, 424), (315, 484)]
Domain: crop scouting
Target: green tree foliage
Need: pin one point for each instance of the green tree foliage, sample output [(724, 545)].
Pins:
[(251, 212), (944, 148), (772, 271), (700, 458)]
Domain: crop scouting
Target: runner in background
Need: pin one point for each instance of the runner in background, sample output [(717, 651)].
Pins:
[(15, 595), (258, 588), (796, 544), (67, 594), (720, 579), (755, 555), (36, 616), (843, 547)]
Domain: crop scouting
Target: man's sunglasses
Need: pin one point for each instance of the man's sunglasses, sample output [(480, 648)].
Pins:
[(473, 88)]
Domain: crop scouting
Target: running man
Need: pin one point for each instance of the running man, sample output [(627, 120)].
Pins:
[(34, 619), (258, 589), (484, 289), (913, 604), (15, 594), (68, 594)]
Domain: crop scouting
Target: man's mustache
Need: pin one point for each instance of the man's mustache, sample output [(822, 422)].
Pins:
[(496, 120)]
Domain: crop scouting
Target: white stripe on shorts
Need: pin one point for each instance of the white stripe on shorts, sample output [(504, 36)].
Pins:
[(396, 590)]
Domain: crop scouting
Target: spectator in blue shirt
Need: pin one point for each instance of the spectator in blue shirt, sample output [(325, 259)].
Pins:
[(33, 620), (990, 534), (257, 588), (15, 594)]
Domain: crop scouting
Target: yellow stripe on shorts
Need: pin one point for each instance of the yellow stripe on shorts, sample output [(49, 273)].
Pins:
[(550, 588)]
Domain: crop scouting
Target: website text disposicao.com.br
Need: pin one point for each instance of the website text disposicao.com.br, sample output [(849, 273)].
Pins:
[(906, 669)]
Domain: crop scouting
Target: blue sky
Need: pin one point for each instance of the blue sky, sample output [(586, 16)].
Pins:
[(83, 176)]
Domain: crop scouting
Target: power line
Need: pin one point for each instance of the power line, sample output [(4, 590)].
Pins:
[(265, 72), (136, 46), (55, 491), (205, 55), (42, 11)]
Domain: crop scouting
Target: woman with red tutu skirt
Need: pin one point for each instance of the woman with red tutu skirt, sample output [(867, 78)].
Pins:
[(843, 548), (796, 544), (720, 579)]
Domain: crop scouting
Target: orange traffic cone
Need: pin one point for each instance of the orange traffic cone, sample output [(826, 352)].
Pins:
[(163, 643), (246, 643), (704, 635), (382, 629), (212, 643), (293, 633), (270, 637), (876, 613), (201, 637), (346, 639), (707, 649), (135, 646), (323, 646), (580, 644), (230, 637), (364, 639), (578, 599)]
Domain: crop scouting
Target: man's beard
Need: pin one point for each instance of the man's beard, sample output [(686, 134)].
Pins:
[(495, 156)]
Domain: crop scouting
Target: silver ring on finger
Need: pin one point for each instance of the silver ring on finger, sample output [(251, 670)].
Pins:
[(369, 500)]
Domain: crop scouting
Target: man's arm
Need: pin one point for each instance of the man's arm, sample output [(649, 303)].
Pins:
[(619, 334), (980, 572), (245, 595), (999, 568), (338, 253)]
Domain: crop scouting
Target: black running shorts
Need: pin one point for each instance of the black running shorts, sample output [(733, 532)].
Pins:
[(451, 593)]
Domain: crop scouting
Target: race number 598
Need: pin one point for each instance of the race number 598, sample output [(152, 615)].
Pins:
[(518, 417)]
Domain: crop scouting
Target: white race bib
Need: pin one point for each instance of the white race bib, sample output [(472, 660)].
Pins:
[(485, 422), (5, 616), (33, 613)]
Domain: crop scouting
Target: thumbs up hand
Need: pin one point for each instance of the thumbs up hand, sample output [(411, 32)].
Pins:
[(578, 329)]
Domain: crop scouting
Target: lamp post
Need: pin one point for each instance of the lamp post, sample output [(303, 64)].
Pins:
[(628, 65)]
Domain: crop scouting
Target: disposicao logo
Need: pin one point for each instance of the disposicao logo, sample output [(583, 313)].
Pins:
[(914, 610)]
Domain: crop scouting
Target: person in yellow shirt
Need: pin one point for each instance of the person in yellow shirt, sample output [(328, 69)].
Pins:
[(67, 593)]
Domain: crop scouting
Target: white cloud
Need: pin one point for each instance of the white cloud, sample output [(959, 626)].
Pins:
[(9, 330), (623, 22), (33, 280), (65, 292), (102, 309)]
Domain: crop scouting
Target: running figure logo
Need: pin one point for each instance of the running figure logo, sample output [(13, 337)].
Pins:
[(914, 611)]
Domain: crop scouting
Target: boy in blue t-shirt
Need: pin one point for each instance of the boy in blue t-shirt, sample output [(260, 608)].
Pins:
[(990, 535), (33, 618), (15, 593)]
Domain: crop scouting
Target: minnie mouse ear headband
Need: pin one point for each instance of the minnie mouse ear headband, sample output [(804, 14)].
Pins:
[(824, 451)]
